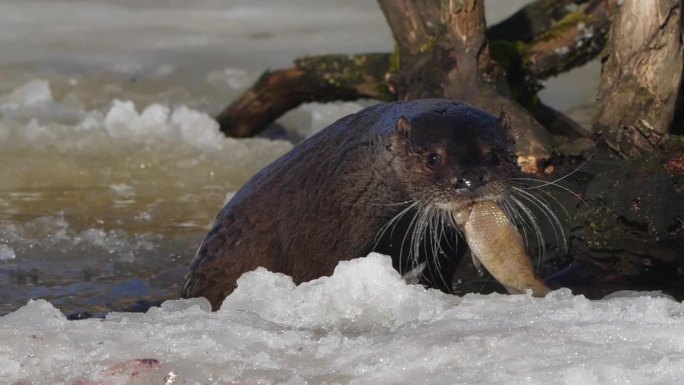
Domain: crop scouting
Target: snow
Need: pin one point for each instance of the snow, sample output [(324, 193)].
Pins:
[(159, 122), (362, 325), (6, 253), (32, 93), (313, 117), (322, 114), (235, 78), (57, 236), (26, 108)]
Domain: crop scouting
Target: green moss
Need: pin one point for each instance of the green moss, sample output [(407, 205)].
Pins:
[(510, 55), (382, 93), (337, 69), (428, 45), (395, 60), (350, 71), (563, 25), (530, 103), (507, 53)]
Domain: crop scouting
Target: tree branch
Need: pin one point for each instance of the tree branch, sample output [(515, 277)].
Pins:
[(532, 20), (315, 78), (574, 40)]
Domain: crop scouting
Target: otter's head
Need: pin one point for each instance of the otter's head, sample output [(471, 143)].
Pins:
[(450, 159)]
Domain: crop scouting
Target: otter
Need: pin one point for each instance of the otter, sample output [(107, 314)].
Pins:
[(402, 179)]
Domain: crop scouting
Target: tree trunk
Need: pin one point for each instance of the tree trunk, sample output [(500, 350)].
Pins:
[(642, 76)]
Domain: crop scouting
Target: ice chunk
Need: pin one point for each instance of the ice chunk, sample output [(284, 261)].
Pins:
[(122, 120), (235, 78), (33, 93), (123, 189), (33, 130), (310, 118), (31, 118), (361, 294), (198, 128), (324, 114), (6, 253), (158, 122), (32, 105), (36, 314), (56, 234), (229, 196)]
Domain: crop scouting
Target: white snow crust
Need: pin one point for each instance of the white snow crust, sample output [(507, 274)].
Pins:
[(363, 325)]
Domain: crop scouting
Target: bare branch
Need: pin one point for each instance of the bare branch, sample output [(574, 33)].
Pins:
[(316, 78)]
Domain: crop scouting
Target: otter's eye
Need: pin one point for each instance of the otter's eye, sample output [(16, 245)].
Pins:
[(433, 159)]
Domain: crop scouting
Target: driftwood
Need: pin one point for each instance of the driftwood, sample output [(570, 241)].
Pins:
[(627, 232), (536, 41)]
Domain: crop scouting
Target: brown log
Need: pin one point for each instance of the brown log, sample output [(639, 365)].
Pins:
[(316, 78), (628, 231), (642, 76)]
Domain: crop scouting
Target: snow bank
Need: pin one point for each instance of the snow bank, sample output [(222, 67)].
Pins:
[(363, 325)]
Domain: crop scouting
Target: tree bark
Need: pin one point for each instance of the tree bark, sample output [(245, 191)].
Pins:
[(316, 78), (642, 76)]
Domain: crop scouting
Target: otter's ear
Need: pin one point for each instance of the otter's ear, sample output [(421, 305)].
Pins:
[(504, 123), (399, 139), (403, 126)]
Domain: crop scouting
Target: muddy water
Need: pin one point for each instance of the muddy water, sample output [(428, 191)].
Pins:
[(111, 169), (110, 207)]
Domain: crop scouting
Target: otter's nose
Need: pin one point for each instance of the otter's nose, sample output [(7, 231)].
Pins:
[(470, 179)]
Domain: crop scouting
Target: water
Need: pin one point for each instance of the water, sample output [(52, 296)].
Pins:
[(111, 204), (111, 168)]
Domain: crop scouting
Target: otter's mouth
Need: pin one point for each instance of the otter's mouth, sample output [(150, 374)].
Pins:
[(465, 201)]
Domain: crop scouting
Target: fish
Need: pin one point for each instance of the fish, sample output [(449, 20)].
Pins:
[(503, 255)]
